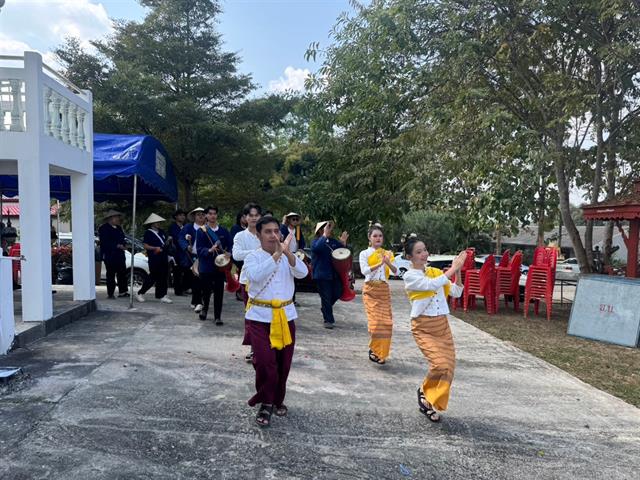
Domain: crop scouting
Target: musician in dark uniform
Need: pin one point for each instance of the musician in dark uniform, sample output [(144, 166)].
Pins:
[(212, 240), (187, 244), (112, 247), (157, 245), (326, 278), (181, 270), (291, 225)]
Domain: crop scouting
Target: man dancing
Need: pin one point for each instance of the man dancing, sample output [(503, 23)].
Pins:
[(270, 316)]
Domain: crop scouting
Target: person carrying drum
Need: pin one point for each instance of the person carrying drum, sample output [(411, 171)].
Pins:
[(376, 264), (291, 225), (326, 278), (212, 240), (270, 315), (428, 289)]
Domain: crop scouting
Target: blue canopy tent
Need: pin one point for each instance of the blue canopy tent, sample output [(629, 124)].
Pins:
[(125, 167), (119, 161)]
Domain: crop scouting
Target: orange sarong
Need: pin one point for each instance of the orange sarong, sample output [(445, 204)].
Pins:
[(433, 336), (377, 304)]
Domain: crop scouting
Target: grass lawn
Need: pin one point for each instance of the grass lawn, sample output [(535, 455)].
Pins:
[(608, 367)]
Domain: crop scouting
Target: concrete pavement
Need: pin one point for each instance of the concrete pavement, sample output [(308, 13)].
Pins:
[(155, 393)]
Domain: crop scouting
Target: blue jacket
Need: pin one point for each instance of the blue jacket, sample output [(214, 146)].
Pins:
[(284, 230), (204, 241), (174, 233), (159, 260), (186, 259), (321, 260), (110, 238)]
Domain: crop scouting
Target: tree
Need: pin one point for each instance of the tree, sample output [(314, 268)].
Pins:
[(168, 76)]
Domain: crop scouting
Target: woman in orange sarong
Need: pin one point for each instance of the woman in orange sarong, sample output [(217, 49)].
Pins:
[(428, 289), (376, 265)]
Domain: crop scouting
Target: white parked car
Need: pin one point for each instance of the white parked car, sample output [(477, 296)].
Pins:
[(140, 268)]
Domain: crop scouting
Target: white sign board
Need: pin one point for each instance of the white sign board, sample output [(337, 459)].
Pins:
[(161, 165), (608, 309)]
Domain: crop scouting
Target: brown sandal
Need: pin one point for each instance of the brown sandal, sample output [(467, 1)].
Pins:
[(263, 418), (281, 411)]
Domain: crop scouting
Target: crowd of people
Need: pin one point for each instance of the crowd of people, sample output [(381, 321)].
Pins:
[(265, 253)]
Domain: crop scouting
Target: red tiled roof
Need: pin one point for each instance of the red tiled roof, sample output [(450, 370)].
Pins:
[(13, 210)]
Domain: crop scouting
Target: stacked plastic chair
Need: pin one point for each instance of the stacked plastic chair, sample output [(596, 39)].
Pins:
[(481, 282), (541, 279), (504, 260), (508, 280), (469, 264)]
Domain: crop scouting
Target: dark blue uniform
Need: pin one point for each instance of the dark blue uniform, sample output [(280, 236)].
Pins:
[(187, 259), (211, 278), (326, 278), (158, 263), (284, 230), (181, 271), (113, 257)]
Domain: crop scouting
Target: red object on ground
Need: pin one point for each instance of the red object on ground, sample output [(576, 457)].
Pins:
[(14, 251), (508, 281), (469, 264), (541, 279), (481, 282)]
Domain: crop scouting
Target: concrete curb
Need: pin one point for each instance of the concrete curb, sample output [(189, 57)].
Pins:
[(42, 329)]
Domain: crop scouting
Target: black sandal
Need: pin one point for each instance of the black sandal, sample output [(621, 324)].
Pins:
[(426, 408), (281, 411), (375, 359), (263, 418)]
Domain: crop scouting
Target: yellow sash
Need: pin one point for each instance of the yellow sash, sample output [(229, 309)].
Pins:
[(376, 259), (430, 272), (279, 333)]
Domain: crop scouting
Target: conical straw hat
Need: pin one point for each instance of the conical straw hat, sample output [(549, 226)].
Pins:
[(112, 213), (153, 218), (320, 225)]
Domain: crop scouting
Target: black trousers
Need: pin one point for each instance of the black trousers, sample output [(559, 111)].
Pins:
[(116, 270), (157, 276), (330, 291), (212, 282), (181, 279)]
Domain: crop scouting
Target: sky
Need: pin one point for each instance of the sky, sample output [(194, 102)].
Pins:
[(270, 36)]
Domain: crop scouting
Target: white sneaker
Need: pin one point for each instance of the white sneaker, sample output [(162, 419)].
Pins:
[(140, 298), (166, 299), (198, 308)]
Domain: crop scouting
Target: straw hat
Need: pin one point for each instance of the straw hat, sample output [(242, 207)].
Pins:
[(320, 225), (153, 218), (292, 214), (112, 213), (196, 210)]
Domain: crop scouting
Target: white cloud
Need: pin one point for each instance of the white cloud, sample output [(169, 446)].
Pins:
[(293, 79), (42, 25)]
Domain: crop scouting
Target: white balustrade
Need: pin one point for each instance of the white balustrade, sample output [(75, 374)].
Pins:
[(65, 120), (12, 105)]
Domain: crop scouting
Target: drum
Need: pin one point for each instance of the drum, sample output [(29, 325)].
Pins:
[(302, 255), (224, 264), (342, 262)]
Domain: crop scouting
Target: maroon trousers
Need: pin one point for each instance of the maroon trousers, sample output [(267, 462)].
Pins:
[(245, 297), (272, 366)]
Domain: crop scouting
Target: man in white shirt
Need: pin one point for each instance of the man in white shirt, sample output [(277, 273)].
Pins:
[(244, 243), (270, 317)]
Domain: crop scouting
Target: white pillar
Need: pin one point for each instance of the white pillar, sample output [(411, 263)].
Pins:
[(7, 322), (84, 277), (33, 184)]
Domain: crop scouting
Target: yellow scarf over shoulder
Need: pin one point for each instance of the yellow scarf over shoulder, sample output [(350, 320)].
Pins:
[(376, 259), (430, 272)]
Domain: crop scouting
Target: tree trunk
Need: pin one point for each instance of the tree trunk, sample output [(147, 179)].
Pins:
[(597, 173), (565, 206), (498, 241), (612, 164), (185, 193), (541, 218)]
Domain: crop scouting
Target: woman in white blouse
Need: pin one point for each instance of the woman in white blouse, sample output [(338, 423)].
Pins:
[(376, 264), (428, 289)]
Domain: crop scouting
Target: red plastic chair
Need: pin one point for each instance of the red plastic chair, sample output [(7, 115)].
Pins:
[(508, 281), (481, 282), (504, 260), (469, 264), (541, 280), (16, 268)]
